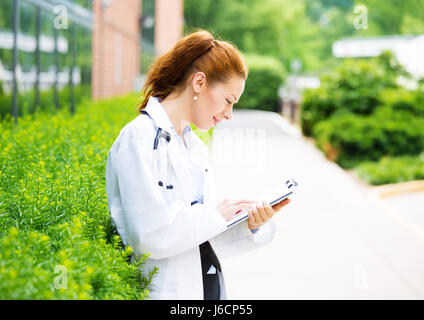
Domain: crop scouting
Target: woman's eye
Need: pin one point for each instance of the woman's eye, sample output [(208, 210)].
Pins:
[(229, 102)]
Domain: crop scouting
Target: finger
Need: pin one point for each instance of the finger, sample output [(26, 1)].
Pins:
[(278, 206), (284, 202), (268, 209), (281, 204), (262, 214), (244, 206), (241, 207), (256, 214), (251, 216), (244, 201)]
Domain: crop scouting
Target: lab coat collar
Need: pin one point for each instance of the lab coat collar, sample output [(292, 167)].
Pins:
[(158, 114), (155, 109), (198, 150)]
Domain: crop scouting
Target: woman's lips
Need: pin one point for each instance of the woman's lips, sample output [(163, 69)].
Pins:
[(216, 121)]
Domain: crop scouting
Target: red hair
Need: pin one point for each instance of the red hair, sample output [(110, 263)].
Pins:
[(197, 51)]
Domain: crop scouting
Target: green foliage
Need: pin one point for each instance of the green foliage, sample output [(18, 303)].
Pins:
[(360, 114), (352, 138), (301, 29), (276, 28), (26, 100), (392, 169), (394, 17), (352, 87), (53, 206), (266, 75), (401, 101)]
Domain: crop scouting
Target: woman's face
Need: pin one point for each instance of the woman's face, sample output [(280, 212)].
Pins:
[(214, 103)]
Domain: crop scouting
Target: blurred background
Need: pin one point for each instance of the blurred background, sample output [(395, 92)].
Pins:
[(334, 99), (53, 53)]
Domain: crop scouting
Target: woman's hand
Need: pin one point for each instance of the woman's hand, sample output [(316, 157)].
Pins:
[(228, 208), (260, 213)]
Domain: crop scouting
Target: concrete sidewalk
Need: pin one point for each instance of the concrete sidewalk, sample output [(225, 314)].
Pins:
[(333, 241)]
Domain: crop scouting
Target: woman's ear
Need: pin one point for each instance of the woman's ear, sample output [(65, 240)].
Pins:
[(199, 80)]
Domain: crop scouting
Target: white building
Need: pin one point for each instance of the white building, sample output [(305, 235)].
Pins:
[(409, 50)]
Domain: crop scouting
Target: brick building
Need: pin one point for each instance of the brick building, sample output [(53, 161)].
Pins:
[(54, 53), (116, 51)]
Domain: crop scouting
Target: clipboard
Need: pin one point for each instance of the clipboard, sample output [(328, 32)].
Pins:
[(273, 197)]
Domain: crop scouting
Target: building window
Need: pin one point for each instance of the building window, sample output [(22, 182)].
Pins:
[(147, 34), (53, 65)]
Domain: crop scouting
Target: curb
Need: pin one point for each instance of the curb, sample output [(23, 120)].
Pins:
[(397, 188), (384, 191)]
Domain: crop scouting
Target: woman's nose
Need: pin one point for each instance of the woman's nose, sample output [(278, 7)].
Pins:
[(228, 114)]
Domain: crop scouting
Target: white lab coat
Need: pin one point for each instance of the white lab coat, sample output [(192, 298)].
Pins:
[(162, 222)]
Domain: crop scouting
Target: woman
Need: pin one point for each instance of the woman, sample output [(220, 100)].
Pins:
[(159, 181)]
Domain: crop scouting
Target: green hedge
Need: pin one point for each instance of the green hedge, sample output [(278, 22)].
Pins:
[(53, 207), (359, 114), (352, 87), (406, 102), (266, 75), (26, 100), (392, 169), (350, 139)]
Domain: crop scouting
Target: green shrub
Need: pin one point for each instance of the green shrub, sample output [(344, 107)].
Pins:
[(26, 100), (53, 206), (68, 264), (266, 75), (350, 139), (401, 100), (352, 87), (360, 114), (392, 169)]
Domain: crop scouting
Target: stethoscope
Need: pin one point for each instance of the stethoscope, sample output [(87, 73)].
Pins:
[(159, 145)]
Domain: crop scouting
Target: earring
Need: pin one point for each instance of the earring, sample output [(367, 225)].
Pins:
[(194, 97)]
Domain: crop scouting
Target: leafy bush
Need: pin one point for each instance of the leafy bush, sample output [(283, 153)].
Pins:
[(360, 114), (53, 206), (352, 87), (409, 102), (266, 75), (26, 100), (350, 139), (392, 169)]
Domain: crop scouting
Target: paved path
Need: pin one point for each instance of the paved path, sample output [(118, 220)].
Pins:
[(412, 215), (334, 241)]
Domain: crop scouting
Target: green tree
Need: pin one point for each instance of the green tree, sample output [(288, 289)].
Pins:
[(394, 17), (277, 28)]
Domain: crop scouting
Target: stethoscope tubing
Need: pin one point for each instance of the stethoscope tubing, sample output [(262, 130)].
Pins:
[(160, 134)]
